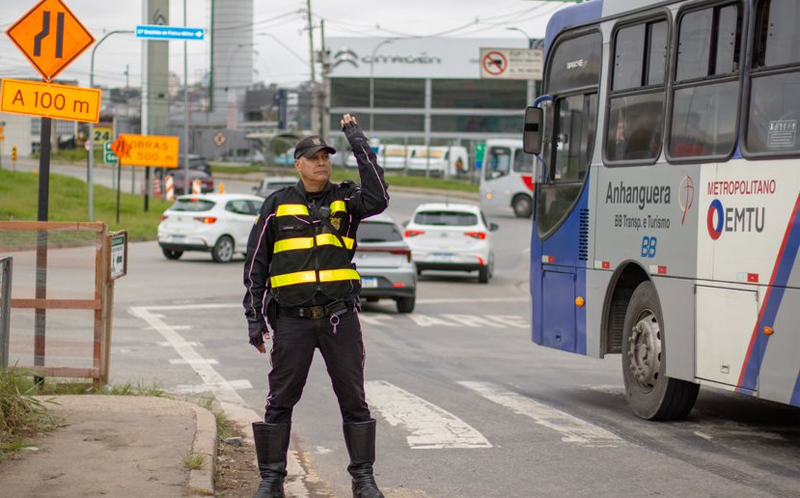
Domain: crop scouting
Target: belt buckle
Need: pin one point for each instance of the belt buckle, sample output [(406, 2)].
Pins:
[(317, 312)]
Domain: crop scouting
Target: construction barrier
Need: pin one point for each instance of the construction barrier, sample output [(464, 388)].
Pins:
[(157, 187), (170, 185), (196, 189)]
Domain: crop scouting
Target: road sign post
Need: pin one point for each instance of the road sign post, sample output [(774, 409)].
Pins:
[(51, 38)]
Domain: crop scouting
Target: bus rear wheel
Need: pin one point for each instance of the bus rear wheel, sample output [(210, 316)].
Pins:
[(651, 394), (523, 206)]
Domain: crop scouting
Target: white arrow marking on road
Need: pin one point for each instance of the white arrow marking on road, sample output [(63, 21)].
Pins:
[(216, 306), (203, 388), (473, 321), (431, 427), (510, 320), (572, 429), (429, 321), (198, 361)]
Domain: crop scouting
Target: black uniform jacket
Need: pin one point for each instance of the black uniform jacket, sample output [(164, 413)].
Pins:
[(293, 257)]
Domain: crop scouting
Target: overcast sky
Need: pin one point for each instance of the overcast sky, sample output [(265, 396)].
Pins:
[(281, 38)]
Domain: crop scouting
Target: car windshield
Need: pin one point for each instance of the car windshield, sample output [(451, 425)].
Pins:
[(378, 232), (192, 205), (446, 218)]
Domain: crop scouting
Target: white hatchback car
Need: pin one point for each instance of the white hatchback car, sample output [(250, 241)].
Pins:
[(451, 237), (215, 223)]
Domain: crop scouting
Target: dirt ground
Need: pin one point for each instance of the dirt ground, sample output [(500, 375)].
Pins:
[(237, 475)]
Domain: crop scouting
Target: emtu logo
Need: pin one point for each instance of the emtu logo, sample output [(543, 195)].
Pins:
[(345, 56), (715, 229)]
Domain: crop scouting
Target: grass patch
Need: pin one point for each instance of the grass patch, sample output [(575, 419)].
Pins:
[(74, 155), (69, 201), (21, 415), (52, 387), (194, 461), (219, 169)]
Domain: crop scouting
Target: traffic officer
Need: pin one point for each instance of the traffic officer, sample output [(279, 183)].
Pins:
[(302, 285)]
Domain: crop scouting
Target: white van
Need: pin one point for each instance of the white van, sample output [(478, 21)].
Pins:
[(350, 160), (447, 161), (397, 157), (507, 178)]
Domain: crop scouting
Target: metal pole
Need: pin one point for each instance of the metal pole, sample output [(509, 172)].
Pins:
[(185, 102), (40, 316), (119, 186), (6, 271), (90, 164), (314, 111)]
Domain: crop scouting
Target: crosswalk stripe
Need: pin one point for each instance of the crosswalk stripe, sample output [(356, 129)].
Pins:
[(431, 427), (572, 429)]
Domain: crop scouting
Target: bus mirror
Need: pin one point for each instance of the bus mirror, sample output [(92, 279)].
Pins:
[(532, 135)]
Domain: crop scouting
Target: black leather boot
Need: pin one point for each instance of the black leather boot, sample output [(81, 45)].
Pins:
[(272, 443), (360, 440)]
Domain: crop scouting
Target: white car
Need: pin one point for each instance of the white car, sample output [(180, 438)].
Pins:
[(451, 237), (215, 223)]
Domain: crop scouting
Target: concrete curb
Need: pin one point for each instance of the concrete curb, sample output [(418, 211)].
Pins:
[(205, 443)]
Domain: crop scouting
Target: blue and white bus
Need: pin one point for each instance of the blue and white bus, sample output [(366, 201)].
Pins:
[(666, 226)]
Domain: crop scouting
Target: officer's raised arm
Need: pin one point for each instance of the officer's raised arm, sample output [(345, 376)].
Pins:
[(373, 197)]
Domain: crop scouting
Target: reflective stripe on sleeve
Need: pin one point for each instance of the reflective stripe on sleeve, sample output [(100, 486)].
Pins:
[(331, 239), (300, 277), (292, 210), (337, 206), (336, 275)]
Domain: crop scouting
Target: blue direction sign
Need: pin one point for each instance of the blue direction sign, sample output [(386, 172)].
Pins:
[(156, 32)]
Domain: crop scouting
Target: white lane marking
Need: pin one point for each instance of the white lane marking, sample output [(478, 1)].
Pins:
[(232, 404), (374, 319), (510, 320), (174, 327), (431, 427), (183, 361), (419, 301), (428, 321), (572, 429), (167, 344), (239, 385), (472, 321)]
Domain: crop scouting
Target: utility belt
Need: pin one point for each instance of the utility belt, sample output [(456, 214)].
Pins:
[(317, 312)]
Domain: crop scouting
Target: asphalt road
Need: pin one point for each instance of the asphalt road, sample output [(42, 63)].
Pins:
[(467, 406)]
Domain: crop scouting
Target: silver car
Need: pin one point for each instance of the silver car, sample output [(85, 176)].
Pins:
[(271, 184), (383, 259)]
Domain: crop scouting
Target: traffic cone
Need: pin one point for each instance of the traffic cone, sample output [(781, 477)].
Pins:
[(196, 187), (157, 187), (170, 183), (221, 188)]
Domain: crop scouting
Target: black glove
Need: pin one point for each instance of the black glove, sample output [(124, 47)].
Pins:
[(256, 336), (353, 133)]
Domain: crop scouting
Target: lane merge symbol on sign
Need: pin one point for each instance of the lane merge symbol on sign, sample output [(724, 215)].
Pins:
[(50, 37), (494, 63)]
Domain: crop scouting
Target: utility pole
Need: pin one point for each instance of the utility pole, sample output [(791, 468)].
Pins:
[(185, 108), (323, 58), (314, 111)]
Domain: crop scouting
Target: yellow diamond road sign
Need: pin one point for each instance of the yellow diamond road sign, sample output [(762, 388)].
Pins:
[(50, 36)]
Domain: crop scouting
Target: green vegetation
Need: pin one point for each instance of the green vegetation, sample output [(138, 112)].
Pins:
[(73, 156), (19, 193), (194, 461), (220, 169), (21, 415)]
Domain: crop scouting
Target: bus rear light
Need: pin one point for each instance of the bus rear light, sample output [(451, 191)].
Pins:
[(206, 220), (476, 235), (413, 233)]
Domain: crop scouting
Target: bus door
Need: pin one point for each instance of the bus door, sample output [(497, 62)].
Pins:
[(562, 220)]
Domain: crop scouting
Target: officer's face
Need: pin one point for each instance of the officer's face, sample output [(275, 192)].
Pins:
[(315, 169)]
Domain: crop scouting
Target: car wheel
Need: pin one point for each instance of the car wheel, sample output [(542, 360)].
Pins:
[(483, 275), (406, 304), (223, 250), (523, 206), (651, 394), (172, 254)]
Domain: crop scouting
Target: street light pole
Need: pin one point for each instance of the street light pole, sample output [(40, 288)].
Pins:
[(372, 82), (90, 164)]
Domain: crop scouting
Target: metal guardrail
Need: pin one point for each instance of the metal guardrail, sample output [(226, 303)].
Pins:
[(6, 269)]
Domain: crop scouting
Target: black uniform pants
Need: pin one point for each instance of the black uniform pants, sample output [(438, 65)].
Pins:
[(294, 341)]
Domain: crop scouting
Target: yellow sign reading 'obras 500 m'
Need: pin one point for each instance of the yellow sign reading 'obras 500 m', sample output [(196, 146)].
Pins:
[(51, 101), (149, 150)]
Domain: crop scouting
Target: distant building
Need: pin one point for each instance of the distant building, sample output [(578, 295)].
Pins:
[(423, 90)]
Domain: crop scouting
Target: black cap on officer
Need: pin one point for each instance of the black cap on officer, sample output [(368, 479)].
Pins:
[(309, 146)]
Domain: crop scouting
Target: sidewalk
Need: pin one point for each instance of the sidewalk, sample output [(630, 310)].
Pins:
[(117, 446)]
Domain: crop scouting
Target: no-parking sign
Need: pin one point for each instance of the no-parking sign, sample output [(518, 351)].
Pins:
[(511, 63)]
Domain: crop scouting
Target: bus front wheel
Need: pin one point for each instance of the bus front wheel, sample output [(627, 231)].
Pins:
[(651, 394), (523, 206)]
